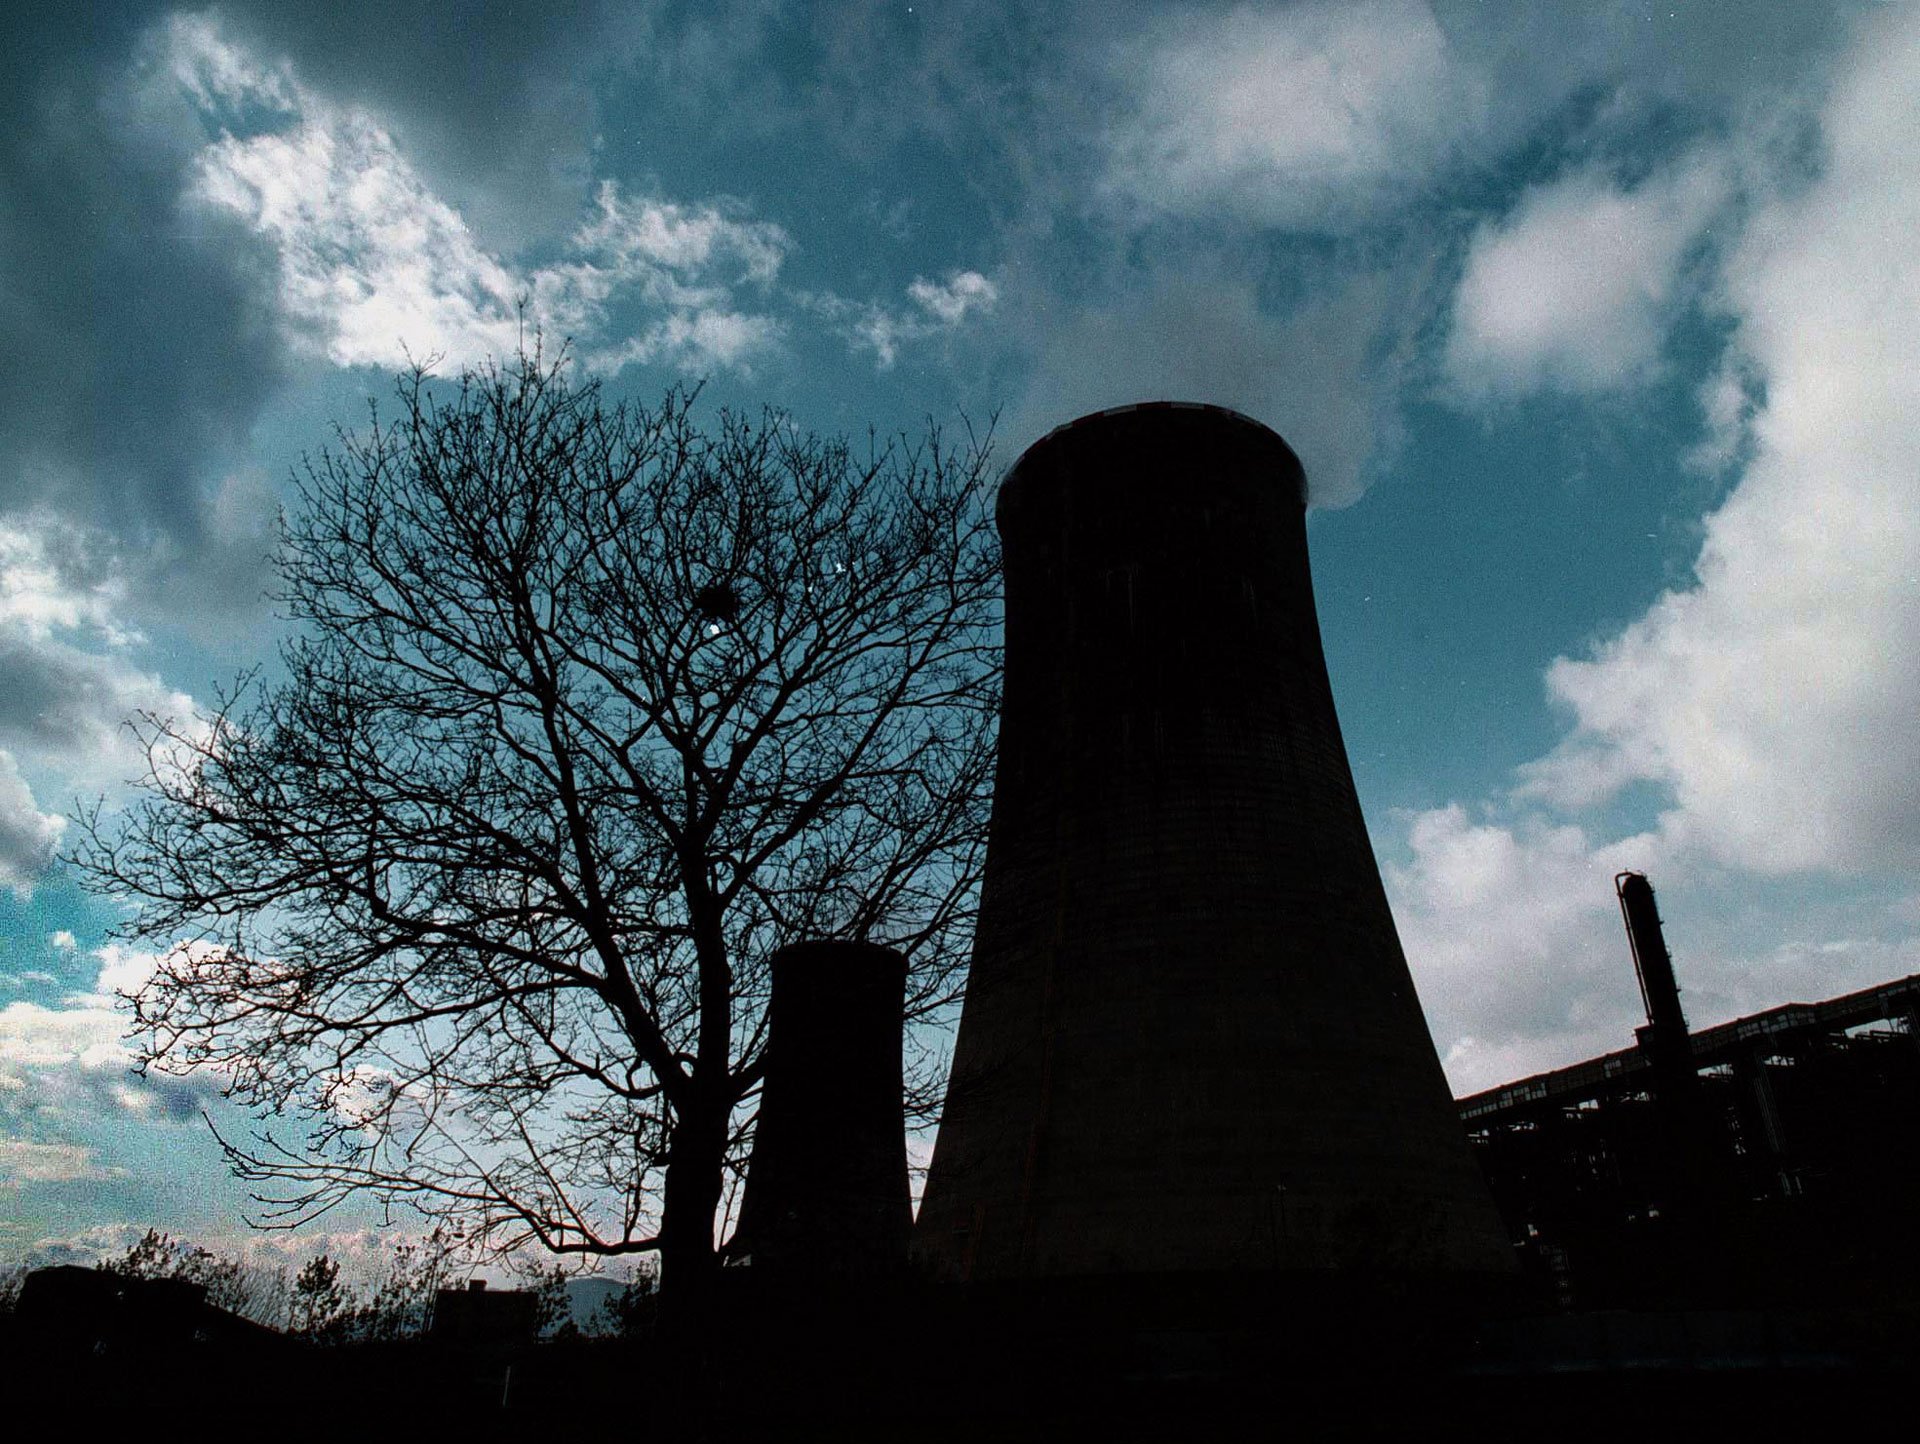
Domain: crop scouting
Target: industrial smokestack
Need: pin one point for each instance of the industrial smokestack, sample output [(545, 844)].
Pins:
[(1652, 963), (1190, 1041), (827, 1195), (1668, 1048)]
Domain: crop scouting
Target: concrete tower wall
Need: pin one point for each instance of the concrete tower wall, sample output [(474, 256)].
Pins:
[(1190, 1042)]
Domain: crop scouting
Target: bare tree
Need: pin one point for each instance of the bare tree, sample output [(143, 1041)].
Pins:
[(589, 710), (318, 1305)]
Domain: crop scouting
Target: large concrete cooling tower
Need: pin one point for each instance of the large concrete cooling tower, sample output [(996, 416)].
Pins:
[(1190, 1043)]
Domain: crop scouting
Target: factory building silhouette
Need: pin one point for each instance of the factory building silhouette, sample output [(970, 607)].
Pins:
[(1190, 1043), (1768, 1160)]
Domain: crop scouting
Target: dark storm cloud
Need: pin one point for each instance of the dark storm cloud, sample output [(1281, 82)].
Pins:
[(138, 350), (61, 702), (496, 104), (141, 328), (74, 1093)]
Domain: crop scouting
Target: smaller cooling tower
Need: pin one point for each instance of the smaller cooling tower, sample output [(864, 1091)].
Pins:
[(827, 1183)]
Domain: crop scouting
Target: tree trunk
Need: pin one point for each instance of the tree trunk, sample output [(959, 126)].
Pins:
[(689, 1200), (691, 1192)]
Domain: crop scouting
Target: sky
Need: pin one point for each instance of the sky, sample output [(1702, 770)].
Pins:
[(1593, 325)]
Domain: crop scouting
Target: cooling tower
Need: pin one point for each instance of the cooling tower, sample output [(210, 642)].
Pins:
[(826, 1189), (1190, 1042)]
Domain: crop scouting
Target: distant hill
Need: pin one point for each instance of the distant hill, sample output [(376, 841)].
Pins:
[(584, 1297)]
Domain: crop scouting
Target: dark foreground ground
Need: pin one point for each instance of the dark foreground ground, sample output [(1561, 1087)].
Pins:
[(976, 1378)]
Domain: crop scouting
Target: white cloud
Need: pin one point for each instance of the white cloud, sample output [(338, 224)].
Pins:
[(28, 836), (374, 265), (214, 73), (941, 306), (70, 684), (1303, 116), (1512, 933), (655, 239), (85, 1034), (684, 264), (1514, 936), (23, 1161), (39, 588), (1778, 693), (73, 1063), (87, 1247), (1775, 697), (695, 342), (126, 970), (1727, 406), (366, 1254), (371, 261), (1576, 287), (949, 301)]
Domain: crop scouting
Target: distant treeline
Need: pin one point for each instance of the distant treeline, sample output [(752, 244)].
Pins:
[(315, 1302)]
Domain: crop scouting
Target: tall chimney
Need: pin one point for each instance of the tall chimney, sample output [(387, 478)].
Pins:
[(1190, 1041), (1681, 1143), (1652, 963)]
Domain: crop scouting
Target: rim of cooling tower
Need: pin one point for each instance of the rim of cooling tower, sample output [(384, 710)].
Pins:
[(1288, 460)]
